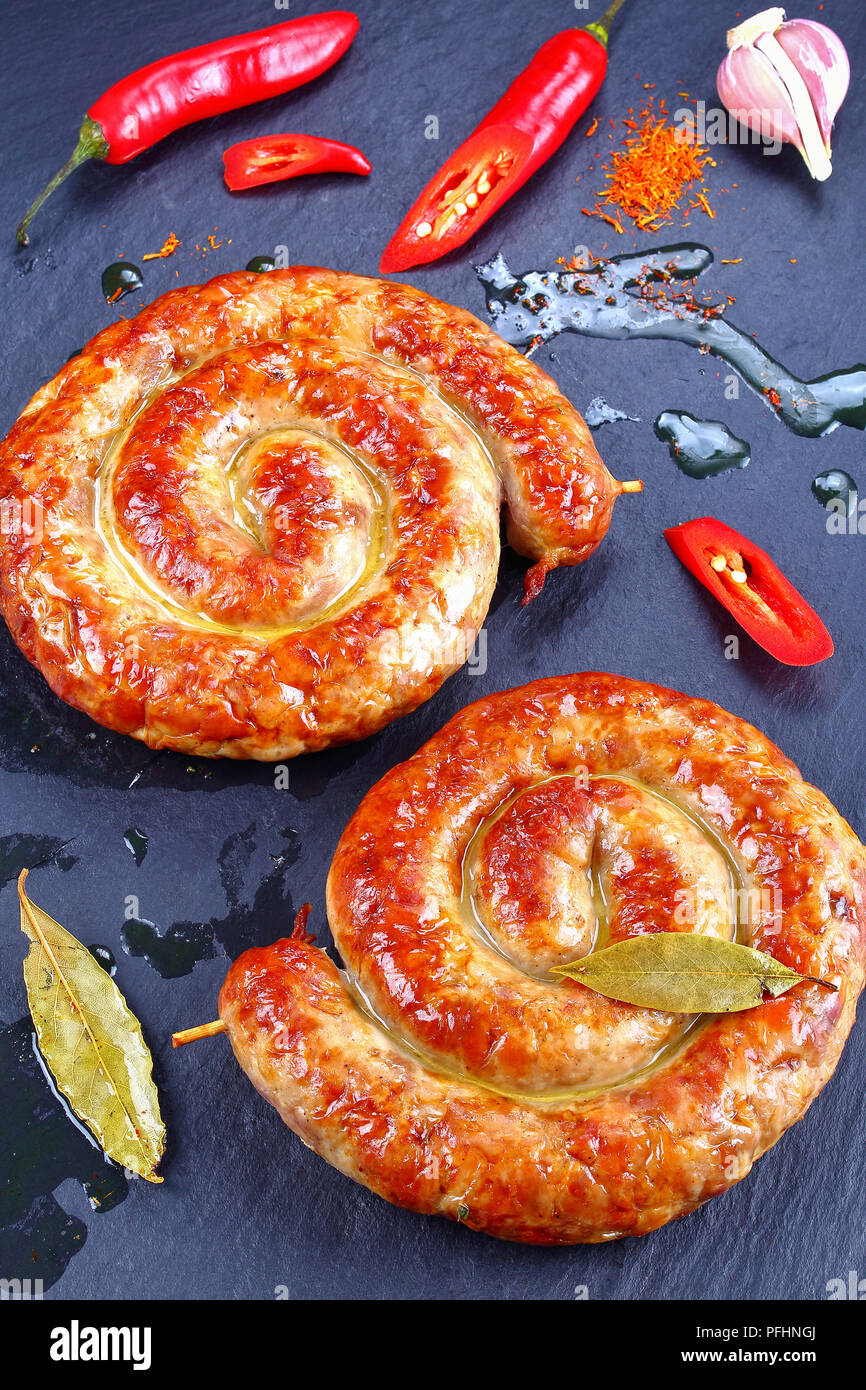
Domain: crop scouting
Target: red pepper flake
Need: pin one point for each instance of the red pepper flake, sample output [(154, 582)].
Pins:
[(168, 248), (214, 245), (773, 397), (593, 128)]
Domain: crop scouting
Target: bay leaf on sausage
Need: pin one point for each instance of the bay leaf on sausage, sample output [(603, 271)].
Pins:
[(91, 1042), (684, 973)]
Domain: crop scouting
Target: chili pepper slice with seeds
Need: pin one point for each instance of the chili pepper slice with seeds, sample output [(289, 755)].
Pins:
[(515, 138), (164, 96), (753, 590), (271, 158)]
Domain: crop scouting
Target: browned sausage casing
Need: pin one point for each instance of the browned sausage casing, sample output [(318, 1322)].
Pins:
[(448, 1071), (262, 516)]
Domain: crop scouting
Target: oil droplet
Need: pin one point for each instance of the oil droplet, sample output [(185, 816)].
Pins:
[(631, 296), (19, 852), (259, 264), (835, 486), (46, 1145), (136, 842), (174, 953), (120, 279), (105, 958), (598, 412), (701, 448)]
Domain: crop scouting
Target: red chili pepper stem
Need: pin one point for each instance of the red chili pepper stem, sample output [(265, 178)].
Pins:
[(92, 144), (600, 28)]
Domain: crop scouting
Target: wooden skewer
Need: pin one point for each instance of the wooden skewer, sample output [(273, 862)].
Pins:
[(635, 485), (204, 1030)]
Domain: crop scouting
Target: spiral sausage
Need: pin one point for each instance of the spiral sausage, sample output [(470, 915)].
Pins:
[(263, 516), (450, 1073)]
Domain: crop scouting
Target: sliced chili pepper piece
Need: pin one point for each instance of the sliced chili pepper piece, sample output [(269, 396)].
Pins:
[(753, 590), (270, 158), (515, 138), (478, 178)]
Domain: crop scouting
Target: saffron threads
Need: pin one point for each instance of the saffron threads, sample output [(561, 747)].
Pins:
[(648, 178), (168, 248)]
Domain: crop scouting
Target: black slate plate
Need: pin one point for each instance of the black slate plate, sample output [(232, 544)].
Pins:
[(245, 1208)]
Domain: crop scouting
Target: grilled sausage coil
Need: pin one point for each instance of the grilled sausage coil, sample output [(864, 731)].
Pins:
[(262, 516), (450, 1072)]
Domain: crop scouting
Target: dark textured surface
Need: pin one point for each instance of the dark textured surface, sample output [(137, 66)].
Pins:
[(245, 1208)]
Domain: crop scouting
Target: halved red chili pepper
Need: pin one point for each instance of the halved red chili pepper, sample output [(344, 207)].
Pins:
[(270, 158), (515, 138), (753, 589), (164, 96)]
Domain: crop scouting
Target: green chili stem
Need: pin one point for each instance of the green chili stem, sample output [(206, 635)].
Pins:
[(600, 27), (92, 144)]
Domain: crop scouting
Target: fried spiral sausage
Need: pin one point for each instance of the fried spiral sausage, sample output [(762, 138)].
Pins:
[(263, 516), (449, 1072)]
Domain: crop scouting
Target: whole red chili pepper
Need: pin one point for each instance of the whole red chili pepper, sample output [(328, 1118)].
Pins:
[(270, 158), (515, 138), (753, 589), (164, 96)]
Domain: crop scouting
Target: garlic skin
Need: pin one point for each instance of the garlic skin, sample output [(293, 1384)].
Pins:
[(786, 80)]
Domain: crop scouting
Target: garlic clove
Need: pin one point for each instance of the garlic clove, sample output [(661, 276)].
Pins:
[(810, 143), (786, 80), (754, 93), (820, 58)]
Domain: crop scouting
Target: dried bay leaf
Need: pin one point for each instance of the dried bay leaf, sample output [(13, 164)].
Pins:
[(92, 1043), (684, 973)]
